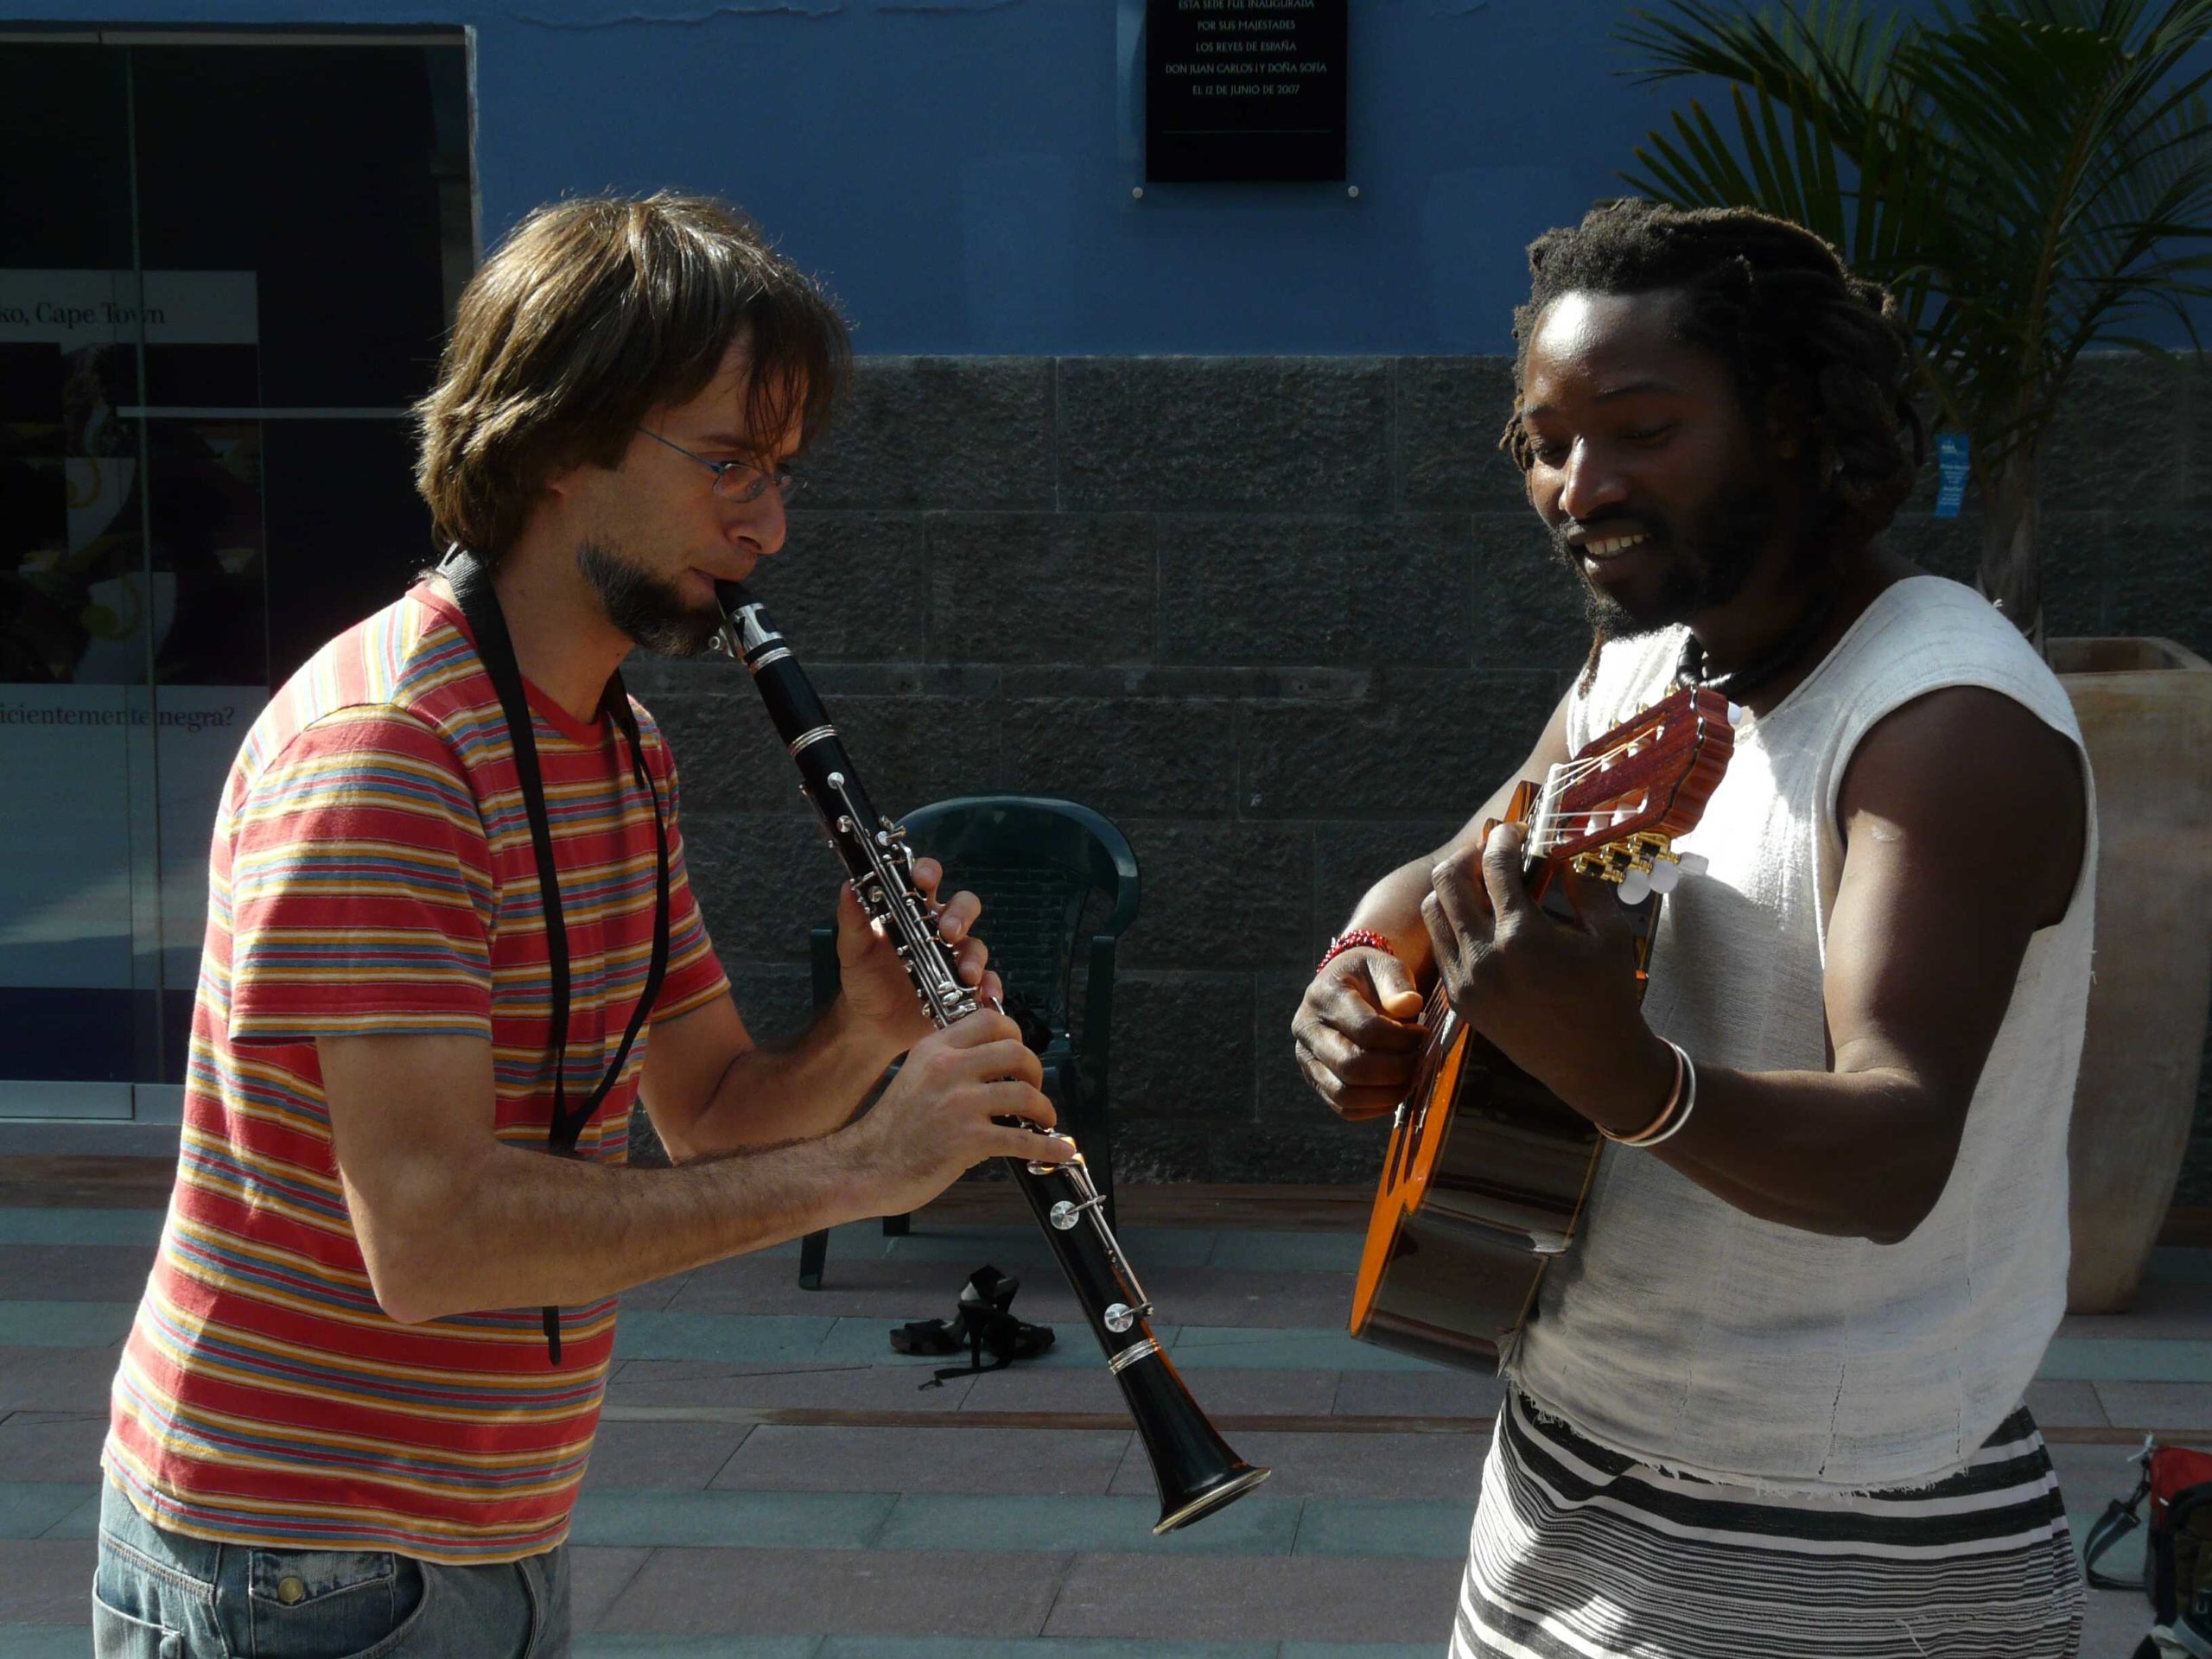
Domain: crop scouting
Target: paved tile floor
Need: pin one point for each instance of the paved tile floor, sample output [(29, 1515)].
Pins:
[(772, 1482)]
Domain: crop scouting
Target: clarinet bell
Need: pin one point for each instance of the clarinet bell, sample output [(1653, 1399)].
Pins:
[(1193, 1467)]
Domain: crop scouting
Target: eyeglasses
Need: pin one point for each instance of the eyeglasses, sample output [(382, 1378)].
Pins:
[(739, 480)]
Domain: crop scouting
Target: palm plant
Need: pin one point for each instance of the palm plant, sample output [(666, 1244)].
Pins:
[(2029, 177)]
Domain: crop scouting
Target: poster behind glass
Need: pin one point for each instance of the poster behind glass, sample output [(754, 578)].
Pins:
[(132, 653), (206, 351)]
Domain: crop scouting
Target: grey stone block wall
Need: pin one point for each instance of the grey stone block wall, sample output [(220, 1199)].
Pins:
[(1286, 620)]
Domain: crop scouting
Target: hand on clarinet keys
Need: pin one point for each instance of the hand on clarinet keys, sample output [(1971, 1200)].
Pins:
[(878, 986), (1063, 1142), (948, 1108)]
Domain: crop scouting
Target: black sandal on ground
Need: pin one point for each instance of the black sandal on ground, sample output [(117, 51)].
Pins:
[(981, 1322)]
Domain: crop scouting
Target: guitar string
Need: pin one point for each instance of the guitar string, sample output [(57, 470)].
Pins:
[(1570, 773), (1561, 777), (1559, 828), (1574, 771), (1564, 777), (1580, 767)]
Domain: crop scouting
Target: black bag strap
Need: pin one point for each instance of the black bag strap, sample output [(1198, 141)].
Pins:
[(2119, 1520), (472, 589)]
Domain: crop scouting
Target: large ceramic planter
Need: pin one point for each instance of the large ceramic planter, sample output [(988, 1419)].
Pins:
[(2145, 708)]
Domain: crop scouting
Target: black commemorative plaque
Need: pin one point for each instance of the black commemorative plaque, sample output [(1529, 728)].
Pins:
[(1244, 89)]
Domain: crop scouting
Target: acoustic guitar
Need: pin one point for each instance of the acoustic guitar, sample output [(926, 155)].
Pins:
[(1487, 1169)]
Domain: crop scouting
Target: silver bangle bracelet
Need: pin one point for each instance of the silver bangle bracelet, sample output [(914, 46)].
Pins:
[(1672, 1127)]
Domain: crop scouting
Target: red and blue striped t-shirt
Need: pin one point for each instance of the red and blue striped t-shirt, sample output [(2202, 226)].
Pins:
[(372, 873)]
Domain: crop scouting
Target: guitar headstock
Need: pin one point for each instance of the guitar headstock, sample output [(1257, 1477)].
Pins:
[(1614, 810)]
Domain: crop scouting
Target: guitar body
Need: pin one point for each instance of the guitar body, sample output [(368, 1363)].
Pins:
[(1483, 1185), (1487, 1169)]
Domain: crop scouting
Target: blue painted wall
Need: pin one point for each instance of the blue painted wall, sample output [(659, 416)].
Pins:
[(959, 171)]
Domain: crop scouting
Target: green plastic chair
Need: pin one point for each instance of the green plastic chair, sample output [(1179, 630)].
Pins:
[(1045, 870)]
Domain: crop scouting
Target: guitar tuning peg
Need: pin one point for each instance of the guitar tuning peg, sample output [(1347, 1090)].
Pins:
[(1664, 875), (1737, 714), (1693, 863), (1636, 886)]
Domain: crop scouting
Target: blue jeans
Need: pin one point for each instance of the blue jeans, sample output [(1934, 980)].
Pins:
[(161, 1595)]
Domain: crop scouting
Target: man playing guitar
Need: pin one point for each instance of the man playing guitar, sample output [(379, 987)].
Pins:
[(1772, 1400)]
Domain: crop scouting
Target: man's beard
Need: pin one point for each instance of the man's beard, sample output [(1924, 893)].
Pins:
[(654, 613), (1710, 567)]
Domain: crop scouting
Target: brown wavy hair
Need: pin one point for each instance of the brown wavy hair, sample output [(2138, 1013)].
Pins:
[(593, 313)]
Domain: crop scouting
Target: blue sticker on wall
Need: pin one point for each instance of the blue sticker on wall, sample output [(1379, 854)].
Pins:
[(1953, 461)]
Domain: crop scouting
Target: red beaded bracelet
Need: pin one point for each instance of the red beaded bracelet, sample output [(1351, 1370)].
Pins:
[(1349, 939)]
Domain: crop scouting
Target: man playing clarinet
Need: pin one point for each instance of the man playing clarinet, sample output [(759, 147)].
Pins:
[(362, 1386)]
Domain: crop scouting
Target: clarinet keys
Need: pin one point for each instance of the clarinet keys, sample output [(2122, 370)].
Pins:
[(1067, 1213), (1120, 1317), (1196, 1470)]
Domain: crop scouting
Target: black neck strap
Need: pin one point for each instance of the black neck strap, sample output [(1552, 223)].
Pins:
[(1738, 683), (472, 589)]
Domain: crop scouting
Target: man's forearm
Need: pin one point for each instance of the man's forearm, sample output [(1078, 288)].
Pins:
[(523, 1230), (1859, 1153), (1864, 1153), (1392, 908), (1853, 1155), (770, 1097)]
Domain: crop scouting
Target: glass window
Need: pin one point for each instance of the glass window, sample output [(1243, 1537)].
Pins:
[(226, 269)]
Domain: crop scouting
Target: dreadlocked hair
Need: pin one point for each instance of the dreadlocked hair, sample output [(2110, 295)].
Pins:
[(1777, 304)]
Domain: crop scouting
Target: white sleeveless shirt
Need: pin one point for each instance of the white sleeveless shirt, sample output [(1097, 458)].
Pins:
[(1692, 1336)]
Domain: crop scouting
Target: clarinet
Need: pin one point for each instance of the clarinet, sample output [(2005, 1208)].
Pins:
[(1194, 1468)]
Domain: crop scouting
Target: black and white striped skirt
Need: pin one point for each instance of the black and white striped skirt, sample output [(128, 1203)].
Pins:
[(1579, 1552)]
